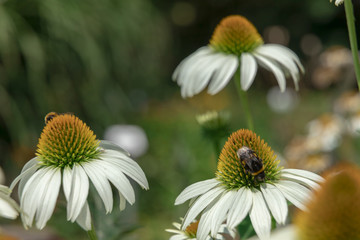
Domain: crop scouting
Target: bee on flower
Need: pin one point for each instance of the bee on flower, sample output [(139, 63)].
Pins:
[(248, 181)]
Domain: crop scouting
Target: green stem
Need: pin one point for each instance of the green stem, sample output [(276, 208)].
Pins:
[(92, 233), (352, 36), (244, 102)]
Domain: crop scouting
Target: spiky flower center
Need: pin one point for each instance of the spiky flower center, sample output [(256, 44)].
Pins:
[(234, 173), (66, 140), (235, 35), (334, 209), (191, 230)]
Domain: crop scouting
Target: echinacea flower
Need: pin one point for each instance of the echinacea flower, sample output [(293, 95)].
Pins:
[(235, 42), (69, 154), (248, 181), (191, 230), (8, 207), (334, 210)]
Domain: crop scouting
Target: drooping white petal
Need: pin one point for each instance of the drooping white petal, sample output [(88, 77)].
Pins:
[(290, 53), (84, 218), (117, 178), (178, 237), (188, 61), (294, 192), (304, 173), (248, 69), (283, 58), (205, 223), (108, 145), (220, 211), (31, 194), (268, 64), (28, 170), (122, 204), (224, 74), (195, 190), (47, 202), (240, 207), (101, 185), (7, 209), (67, 182), (130, 168), (304, 181), (78, 193), (276, 202), (260, 216), (201, 203)]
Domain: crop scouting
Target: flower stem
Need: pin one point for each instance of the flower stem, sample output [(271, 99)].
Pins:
[(244, 102), (352, 36), (92, 233)]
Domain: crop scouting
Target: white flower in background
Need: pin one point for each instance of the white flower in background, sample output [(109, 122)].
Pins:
[(69, 154), (235, 42), (325, 132), (8, 207), (130, 137), (191, 230), (338, 2), (248, 181), (281, 101)]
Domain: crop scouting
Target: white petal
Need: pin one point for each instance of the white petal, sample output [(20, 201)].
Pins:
[(188, 61), (195, 190), (304, 181), (276, 202), (294, 192), (304, 173), (283, 58), (84, 218), (101, 185), (78, 193), (248, 70), (122, 202), (130, 168), (7, 209), (118, 179), (28, 170), (108, 145), (224, 74), (67, 182), (204, 224), (279, 75), (179, 237), (50, 193), (201, 203), (220, 211), (31, 195), (240, 207), (260, 216)]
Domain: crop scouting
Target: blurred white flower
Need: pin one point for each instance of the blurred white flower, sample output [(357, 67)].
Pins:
[(235, 42), (281, 101), (283, 233), (130, 137), (338, 2), (69, 154), (8, 207)]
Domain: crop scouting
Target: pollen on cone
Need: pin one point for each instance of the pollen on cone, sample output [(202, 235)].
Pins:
[(334, 211), (235, 35), (65, 140), (232, 173)]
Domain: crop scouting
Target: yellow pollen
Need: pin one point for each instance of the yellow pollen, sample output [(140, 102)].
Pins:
[(65, 140), (191, 230), (235, 35)]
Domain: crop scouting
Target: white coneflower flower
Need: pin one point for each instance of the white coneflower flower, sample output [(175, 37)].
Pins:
[(69, 154), (338, 2), (8, 207), (248, 181), (235, 42), (191, 230)]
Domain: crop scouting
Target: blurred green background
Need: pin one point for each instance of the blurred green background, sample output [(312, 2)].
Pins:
[(110, 62)]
